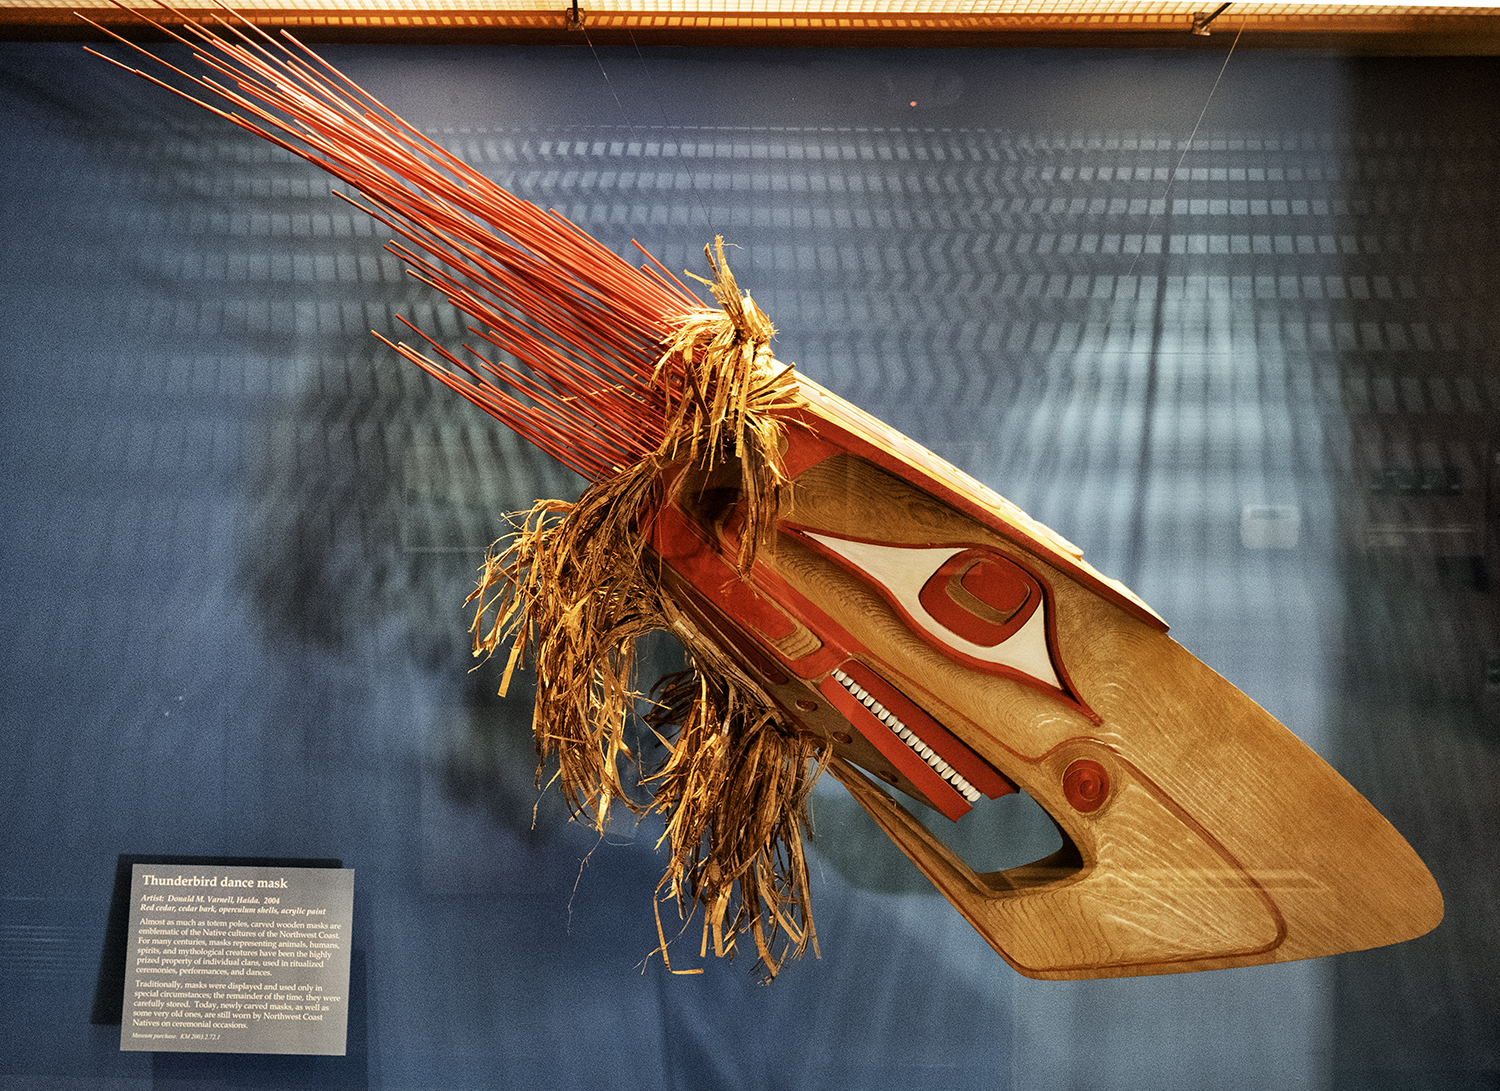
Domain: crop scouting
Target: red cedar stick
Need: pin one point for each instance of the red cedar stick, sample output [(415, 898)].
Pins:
[(584, 326)]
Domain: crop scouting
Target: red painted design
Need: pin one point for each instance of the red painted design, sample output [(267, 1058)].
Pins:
[(970, 765), (682, 545), (942, 795), (1086, 785), (832, 426), (998, 569), (982, 596)]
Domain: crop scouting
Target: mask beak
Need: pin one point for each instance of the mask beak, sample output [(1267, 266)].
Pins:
[(949, 648)]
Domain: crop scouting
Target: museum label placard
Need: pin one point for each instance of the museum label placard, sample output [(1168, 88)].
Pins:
[(238, 959)]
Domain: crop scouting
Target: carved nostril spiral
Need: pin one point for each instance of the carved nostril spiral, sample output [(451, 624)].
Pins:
[(1086, 785)]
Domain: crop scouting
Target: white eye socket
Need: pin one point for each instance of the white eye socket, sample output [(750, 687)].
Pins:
[(965, 599)]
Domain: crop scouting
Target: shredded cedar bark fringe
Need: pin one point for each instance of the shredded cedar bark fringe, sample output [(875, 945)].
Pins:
[(576, 585)]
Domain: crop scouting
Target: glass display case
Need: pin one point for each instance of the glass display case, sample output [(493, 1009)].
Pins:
[(1235, 335)]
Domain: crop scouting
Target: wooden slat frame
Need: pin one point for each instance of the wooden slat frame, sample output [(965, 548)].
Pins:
[(1391, 29)]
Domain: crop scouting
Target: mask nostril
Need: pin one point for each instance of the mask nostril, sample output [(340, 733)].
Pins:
[(1086, 785)]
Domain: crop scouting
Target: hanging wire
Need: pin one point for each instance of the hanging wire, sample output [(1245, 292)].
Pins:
[(1187, 147)]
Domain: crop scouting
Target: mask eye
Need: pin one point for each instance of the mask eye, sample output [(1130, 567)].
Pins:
[(981, 596), (973, 603)]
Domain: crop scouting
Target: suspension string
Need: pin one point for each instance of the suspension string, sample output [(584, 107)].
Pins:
[(1172, 177), (665, 122), (600, 62), (583, 26)]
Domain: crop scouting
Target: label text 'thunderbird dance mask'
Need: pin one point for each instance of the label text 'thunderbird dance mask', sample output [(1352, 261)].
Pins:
[(848, 601)]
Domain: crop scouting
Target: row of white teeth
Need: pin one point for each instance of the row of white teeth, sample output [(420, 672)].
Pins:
[(909, 737)]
